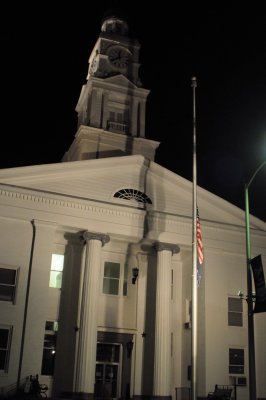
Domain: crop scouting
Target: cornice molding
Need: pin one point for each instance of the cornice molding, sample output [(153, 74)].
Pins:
[(113, 84), (88, 132), (185, 222), (136, 214)]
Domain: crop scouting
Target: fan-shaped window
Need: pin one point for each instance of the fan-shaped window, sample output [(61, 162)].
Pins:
[(133, 194)]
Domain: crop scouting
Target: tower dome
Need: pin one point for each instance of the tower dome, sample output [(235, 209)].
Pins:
[(114, 22)]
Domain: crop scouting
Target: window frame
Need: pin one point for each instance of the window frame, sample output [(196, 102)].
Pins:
[(233, 311), (111, 279), (14, 285), (52, 270), (237, 365), (53, 334), (7, 349), (118, 120), (123, 276)]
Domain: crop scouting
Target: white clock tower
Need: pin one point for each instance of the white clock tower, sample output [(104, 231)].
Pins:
[(112, 104)]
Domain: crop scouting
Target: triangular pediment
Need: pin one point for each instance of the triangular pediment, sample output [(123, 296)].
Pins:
[(100, 180), (94, 180), (172, 194)]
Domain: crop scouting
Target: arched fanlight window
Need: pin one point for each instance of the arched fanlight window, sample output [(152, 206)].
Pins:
[(133, 194)]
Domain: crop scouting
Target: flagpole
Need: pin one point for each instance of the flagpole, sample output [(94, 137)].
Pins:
[(194, 294)]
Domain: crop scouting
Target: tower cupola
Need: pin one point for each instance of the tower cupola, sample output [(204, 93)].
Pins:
[(112, 104)]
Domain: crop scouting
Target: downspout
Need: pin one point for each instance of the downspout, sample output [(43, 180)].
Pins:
[(26, 307)]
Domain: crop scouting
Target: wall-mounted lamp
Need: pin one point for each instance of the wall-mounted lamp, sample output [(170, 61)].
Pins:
[(242, 296), (135, 274)]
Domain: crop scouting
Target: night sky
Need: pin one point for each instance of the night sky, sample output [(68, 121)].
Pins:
[(45, 49)]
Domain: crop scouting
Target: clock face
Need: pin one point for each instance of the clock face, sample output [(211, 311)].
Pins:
[(119, 57)]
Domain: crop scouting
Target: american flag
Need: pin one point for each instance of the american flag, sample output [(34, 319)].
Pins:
[(199, 248), (199, 240)]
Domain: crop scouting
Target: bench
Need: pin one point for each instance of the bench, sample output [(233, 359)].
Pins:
[(221, 392), (34, 389)]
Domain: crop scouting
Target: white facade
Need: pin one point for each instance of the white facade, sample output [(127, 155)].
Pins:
[(74, 209)]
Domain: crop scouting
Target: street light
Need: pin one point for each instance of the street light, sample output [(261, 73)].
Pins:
[(251, 344)]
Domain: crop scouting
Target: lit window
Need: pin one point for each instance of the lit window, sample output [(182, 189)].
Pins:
[(56, 272), (235, 311), (236, 361), (5, 342), (8, 279), (112, 277), (49, 347)]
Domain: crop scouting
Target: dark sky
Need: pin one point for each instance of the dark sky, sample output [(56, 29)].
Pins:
[(44, 52)]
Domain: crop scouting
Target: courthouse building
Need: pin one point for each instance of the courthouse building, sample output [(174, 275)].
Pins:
[(96, 258)]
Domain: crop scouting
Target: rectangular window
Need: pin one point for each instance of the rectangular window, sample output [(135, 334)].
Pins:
[(118, 121), (56, 272), (120, 117), (8, 278), (111, 278), (235, 311), (115, 279), (236, 361), (5, 343), (49, 347)]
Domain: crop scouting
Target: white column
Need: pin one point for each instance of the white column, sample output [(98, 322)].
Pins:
[(86, 359), (162, 353)]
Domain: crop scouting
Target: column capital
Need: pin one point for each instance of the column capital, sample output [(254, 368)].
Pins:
[(96, 236), (160, 246)]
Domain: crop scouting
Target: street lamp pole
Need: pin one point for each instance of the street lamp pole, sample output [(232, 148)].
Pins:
[(251, 342)]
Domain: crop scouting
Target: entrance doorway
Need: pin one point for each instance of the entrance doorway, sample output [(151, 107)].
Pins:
[(107, 373), (113, 365)]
